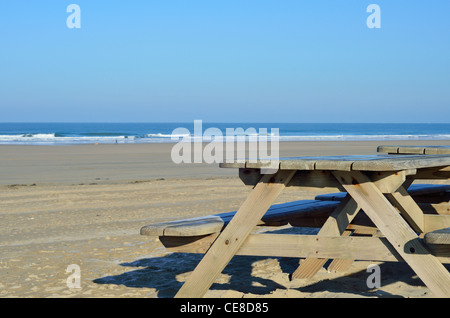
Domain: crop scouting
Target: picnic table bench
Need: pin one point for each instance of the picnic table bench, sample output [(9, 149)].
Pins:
[(421, 193), (376, 187), (277, 215), (305, 213), (439, 237)]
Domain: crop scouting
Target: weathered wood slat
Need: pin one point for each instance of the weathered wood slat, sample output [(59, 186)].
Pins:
[(433, 173), (380, 162), (431, 208), (334, 226), (440, 217), (423, 150), (438, 150), (298, 246), (413, 190), (205, 225), (411, 151), (408, 209), (235, 234), (401, 162), (435, 222), (388, 149), (307, 213), (318, 181), (277, 215), (397, 231), (340, 264), (438, 237), (301, 246), (385, 182)]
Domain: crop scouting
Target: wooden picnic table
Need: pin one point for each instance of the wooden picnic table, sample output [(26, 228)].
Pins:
[(374, 184), (419, 150)]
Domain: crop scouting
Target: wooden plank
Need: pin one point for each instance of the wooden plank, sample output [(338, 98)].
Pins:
[(441, 251), (439, 208), (421, 189), (389, 181), (438, 237), (188, 244), (435, 222), (282, 214), (437, 150), (408, 209), (433, 173), (362, 229), (315, 181), (378, 162), (344, 163), (188, 227), (411, 150), (310, 246), (401, 162), (397, 231), (306, 163), (340, 265), (334, 163), (312, 180), (234, 164), (331, 196), (353, 248), (386, 182), (361, 222), (413, 190), (234, 235), (303, 246), (263, 164), (427, 150), (334, 226), (250, 177), (277, 215), (296, 246), (388, 149)]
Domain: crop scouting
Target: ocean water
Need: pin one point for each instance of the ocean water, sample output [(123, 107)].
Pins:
[(85, 133)]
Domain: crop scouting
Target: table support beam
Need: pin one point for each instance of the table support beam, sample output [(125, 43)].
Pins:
[(433, 274), (335, 225), (234, 235), (408, 209)]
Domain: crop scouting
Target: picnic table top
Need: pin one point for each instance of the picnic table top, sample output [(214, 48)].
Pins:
[(378, 162), (422, 150)]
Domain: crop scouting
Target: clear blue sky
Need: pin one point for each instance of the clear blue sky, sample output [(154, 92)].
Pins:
[(225, 61)]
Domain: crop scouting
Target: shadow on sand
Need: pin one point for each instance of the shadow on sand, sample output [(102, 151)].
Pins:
[(164, 273)]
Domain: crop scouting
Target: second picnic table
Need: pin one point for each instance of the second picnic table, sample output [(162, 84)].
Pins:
[(374, 184), (418, 150)]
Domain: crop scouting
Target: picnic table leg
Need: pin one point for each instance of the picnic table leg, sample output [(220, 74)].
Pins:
[(334, 226), (397, 231), (339, 264), (408, 208), (235, 233)]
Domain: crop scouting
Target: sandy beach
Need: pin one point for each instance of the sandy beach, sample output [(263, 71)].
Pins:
[(85, 205)]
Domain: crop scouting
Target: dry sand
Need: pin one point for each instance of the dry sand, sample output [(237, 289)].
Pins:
[(85, 205)]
